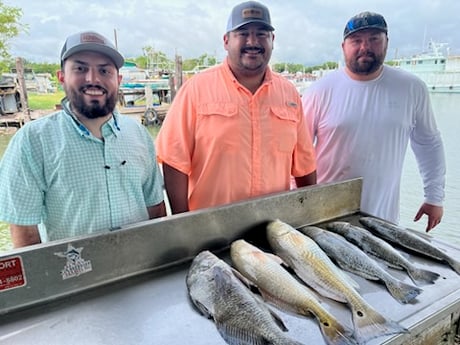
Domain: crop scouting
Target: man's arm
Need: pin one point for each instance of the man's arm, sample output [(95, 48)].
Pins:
[(306, 180), (176, 184), (24, 235), (157, 211)]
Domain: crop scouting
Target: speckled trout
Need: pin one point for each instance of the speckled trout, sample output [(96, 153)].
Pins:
[(279, 287), (350, 258), (315, 268), (408, 239), (240, 317), (381, 249)]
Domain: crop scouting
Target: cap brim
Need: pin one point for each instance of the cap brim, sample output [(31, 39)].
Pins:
[(236, 27), (364, 28), (114, 55)]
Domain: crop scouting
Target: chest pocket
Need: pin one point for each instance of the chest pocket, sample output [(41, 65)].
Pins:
[(215, 121), (284, 127), (218, 109)]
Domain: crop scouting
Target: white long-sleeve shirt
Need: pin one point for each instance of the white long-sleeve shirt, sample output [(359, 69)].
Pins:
[(362, 129)]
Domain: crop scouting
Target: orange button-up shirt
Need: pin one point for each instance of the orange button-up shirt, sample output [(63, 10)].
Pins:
[(231, 143)]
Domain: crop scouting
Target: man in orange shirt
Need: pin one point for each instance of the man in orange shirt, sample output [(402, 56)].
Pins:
[(236, 130)]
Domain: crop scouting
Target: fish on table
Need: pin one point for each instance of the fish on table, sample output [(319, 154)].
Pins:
[(350, 258), (280, 288), (406, 238), (381, 249), (316, 269), (240, 317)]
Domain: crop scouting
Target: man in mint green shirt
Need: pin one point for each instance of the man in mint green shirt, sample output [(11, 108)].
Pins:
[(84, 169)]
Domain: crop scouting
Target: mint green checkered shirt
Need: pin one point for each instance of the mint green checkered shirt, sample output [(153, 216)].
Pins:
[(56, 174)]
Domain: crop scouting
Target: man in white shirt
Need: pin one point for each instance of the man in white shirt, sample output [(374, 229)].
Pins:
[(362, 118)]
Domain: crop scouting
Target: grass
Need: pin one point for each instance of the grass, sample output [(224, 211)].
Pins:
[(44, 101)]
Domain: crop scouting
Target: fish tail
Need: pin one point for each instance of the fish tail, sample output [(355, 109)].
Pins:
[(369, 324), (402, 292), (335, 333), (419, 275)]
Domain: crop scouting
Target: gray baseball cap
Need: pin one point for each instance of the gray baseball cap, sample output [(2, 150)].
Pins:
[(249, 12), (91, 41)]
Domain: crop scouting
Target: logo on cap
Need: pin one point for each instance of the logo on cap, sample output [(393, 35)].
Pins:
[(91, 38), (252, 13)]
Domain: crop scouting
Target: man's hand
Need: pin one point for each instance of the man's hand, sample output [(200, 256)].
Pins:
[(434, 214)]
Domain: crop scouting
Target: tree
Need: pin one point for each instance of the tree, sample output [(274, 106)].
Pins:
[(9, 27), (156, 60)]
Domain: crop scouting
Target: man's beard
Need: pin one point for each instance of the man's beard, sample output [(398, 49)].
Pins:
[(94, 109), (365, 68)]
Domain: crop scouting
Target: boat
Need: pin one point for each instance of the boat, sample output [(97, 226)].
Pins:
[(135, 81), (436, 67)]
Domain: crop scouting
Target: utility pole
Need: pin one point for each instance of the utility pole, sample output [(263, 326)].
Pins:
[(115, 38)]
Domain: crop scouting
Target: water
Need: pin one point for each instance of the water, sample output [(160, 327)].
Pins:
[(448, 120)]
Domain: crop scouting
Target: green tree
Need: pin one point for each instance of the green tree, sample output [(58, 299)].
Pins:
[(156, 60), (10, 27)]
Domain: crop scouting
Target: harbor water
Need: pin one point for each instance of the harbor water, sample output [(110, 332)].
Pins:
[(447, 117), (445, 106)]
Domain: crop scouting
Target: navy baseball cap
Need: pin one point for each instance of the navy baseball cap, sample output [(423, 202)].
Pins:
[(249, 12), (91, 41), (365, 20)]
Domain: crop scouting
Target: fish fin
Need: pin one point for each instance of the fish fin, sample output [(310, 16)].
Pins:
[(420, 276), (381, 261), (454, 264), (277, 259), (362, 274), (202, 309), (402, 292), (279, 322), (284, 306), (335, 333), (369, 324), (277, 319), (249, 284)]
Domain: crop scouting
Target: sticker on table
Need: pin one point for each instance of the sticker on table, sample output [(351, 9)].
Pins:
[(75, 264), (11, 273)]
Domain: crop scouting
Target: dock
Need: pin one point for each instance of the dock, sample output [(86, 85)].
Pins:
[(146, 117)]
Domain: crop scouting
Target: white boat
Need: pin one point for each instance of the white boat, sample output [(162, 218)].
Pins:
[(439, 70)]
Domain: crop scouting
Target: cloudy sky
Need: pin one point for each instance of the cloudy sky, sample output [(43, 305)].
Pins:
[(307, 31)]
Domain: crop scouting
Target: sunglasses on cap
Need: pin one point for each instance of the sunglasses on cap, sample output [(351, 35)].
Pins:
[(366, 20)]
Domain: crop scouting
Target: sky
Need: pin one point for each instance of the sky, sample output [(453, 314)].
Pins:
[(307, 32)]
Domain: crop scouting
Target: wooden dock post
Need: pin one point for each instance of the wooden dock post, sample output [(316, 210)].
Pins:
[(22, 89)]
